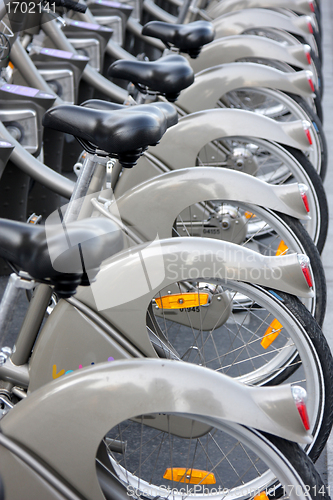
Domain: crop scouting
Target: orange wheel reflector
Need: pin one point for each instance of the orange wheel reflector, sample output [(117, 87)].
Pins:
[(271, 333), (190, 476), (261, 496), (249, 215), (282, 248), (180, 300)]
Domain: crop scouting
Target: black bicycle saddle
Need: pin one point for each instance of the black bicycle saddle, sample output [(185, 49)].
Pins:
[(169, 111), (122, 132), (167, 76), (59, 254), (188, 38)]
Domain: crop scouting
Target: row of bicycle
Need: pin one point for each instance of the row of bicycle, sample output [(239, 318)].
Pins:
[(202, 262)]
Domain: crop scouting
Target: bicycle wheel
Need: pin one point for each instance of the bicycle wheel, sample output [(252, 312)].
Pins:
[(259, 336), (282, 108), (274, 164), (259, 229), (227, 459)]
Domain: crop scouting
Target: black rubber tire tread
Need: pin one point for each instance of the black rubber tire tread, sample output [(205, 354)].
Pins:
[(321, 134), (303, 316), (316, 264), (317, 64), (319, 108), (321, 195), (303, 465)]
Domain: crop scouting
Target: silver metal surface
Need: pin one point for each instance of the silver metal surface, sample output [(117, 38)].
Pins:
[(216, 9), (211, 84), (182, 142), (233, 48), (122, 390)]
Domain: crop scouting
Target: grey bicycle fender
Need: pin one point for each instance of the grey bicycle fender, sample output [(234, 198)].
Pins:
[(153, 206), (182, 142), (233, 48), (211, 84), (55, 422), (235, 23), (149, 268), (218, 8)]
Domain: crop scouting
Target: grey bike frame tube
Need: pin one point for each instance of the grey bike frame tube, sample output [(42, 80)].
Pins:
[(90, 181), (91, 76), (31, 324), (183, 11), (36, 169), (28, 70)]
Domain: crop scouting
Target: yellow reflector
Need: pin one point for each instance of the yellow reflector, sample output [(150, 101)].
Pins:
[(282, 248), (191, 476), (271, 333), (180, 300), (261, 496), (249, 215)]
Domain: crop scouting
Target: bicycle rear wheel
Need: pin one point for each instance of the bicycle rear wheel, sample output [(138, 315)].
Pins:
[(216, 458)]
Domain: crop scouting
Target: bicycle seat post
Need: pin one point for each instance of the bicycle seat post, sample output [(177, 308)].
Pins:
[(90, 180)]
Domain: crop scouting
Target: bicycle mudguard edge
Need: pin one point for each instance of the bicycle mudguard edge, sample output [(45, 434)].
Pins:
[(153, 206), (211, 84), (181, 143), (233, 48), (216, 9), (124, 390), (235, 23), (99, 317)]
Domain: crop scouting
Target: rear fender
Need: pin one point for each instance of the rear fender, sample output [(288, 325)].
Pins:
[(211, 84), (181, 143), (216, 9), (240, 21), (153, 206), (51, 423), (233, 48), (138, 274)]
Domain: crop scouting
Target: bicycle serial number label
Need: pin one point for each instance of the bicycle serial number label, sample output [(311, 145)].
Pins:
[(30, 7)]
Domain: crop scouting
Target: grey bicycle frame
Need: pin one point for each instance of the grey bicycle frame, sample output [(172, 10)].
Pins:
[(55, 423)]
